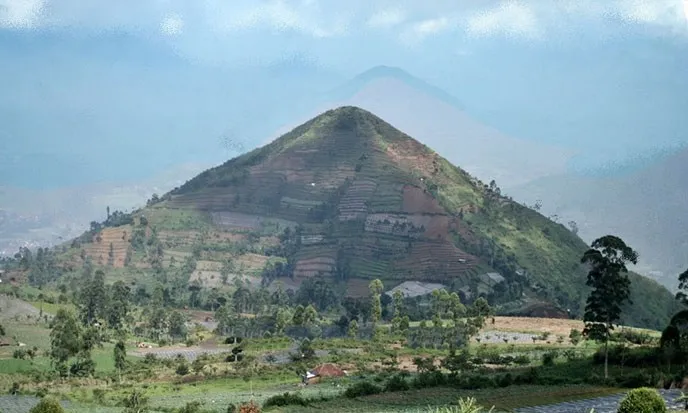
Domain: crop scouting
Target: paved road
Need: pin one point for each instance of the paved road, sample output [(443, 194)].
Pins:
[(607, 404)]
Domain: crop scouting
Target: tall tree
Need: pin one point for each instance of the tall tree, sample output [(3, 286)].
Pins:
[(376, 289), (120, 357), (352, 331), (682, 294), (226, 321), (611, 288), (177, 325), (92, 297), (118, 305), (310, 316), (65, 339)]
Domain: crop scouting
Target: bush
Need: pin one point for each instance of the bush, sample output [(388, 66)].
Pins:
[(182, 369), (396, 383), (286, 399), (361, 389), (630, 357), (548, 358), (429, 379), (522, 360), (642, 400), (47, 405)]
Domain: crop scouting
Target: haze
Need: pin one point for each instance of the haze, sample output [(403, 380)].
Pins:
[(105, 105)]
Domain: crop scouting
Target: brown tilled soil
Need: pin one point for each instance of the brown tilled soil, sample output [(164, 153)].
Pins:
[(540, 325), (417, 201), (100, 248)]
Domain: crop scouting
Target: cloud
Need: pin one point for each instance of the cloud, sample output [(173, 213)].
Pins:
[(20, 14), (280, 15), (172, 25), (509, 18), (411, 20), (419, 31), (652, 11), (386, 19)]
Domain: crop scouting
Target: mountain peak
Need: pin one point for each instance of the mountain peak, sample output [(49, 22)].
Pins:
[(360, 81)]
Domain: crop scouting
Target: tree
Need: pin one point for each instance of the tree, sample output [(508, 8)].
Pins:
[(611, 288), (225, 319), (376, 289), (47, 405), (65, 339), (310, 315), (282, 319), (352, 332), (298, 317), (177, 325), (118, 305), (92, 298), (120, 357), (682, 294)]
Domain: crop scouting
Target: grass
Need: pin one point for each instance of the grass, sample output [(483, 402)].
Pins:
[(51, 308), (168, 219), (418, 400)]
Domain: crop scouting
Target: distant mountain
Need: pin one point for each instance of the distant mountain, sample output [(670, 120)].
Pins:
[(349, 198), (436, 119), (646, 207)]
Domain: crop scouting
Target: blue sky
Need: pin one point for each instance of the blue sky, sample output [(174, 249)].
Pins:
[(156, 83)]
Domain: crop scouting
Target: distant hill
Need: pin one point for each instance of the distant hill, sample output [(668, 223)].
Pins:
[(647, 207), (438, 120), (347, 197)]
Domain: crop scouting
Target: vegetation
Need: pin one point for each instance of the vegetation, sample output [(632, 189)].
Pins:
[(642, 400), (610, 284), (223, 294)]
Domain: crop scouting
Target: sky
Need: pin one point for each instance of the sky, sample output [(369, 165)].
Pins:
[(108, 90)]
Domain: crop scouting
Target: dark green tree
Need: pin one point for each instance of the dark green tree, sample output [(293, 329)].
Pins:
[(92, 297), (682, 294), (611, 288), (120, 357), (65, 339), (177, 325), (118, 305), (376, 287)]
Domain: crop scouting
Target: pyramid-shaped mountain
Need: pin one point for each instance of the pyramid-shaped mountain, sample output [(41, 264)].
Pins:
[(349, 198)]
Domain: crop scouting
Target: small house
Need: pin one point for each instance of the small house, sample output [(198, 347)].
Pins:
[(326, 370)]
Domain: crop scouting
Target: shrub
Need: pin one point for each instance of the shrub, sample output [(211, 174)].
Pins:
[(642, 400), (182, 369), (396, 383), (249, 407), (191, 407), (548, 358), (286, 399), (464, 406), (362, 388), (47, 405), (575, 336), (522, 360), (429, 379)]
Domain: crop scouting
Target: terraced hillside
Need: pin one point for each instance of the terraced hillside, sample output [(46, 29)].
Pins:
[(348, 197)]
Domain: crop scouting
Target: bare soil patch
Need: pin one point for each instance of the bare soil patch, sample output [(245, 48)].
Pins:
[(418, 201), (539, 325)]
